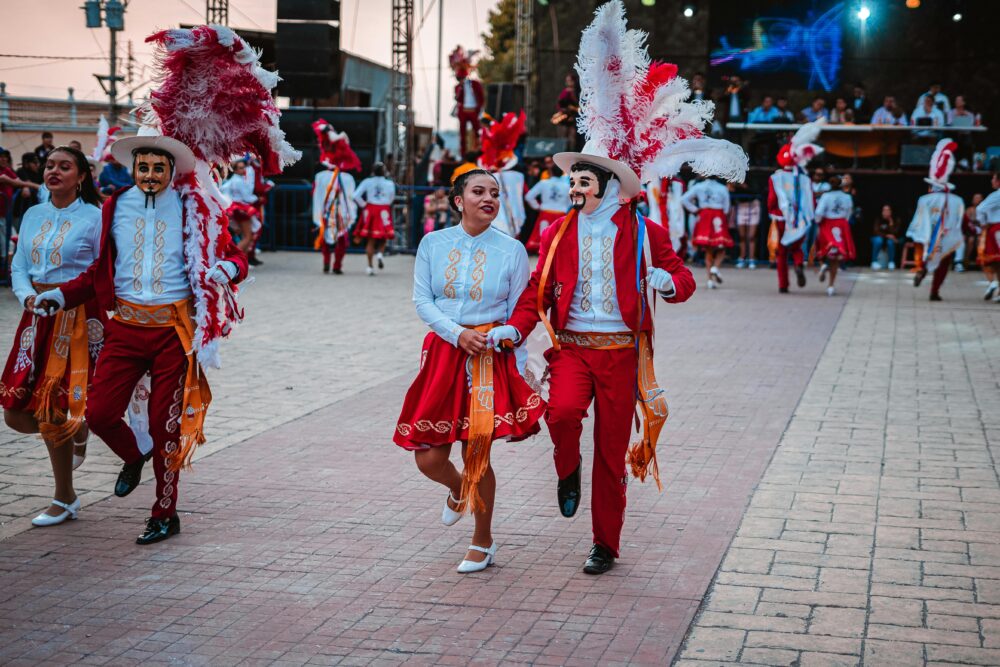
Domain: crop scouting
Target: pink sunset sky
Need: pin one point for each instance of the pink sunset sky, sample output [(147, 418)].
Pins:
[(57, 28)]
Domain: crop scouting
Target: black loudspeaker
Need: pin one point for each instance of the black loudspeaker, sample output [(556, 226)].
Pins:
[(915, 155), (504, 98), (308, 10), (308, 56), (361, 125)]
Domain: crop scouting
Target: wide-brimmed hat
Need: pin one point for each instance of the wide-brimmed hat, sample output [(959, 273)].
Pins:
[(150, 137), (630, 184)]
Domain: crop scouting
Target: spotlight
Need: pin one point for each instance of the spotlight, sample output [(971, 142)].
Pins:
[(648, 3), (689, 10), (864, 13), (912, 4), (957, 17)]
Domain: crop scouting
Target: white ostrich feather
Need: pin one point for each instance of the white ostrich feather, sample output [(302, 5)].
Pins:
[(707, 156), (102, 139)]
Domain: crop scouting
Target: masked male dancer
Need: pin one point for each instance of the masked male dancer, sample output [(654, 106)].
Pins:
[(333, 206), (599, 319), (790, 201), (937, 222), (167, 264)]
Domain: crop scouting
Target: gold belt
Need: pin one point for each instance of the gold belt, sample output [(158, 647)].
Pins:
[(146, 316), (597, 340)]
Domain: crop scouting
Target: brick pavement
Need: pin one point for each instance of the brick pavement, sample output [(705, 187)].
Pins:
[(873, 536)]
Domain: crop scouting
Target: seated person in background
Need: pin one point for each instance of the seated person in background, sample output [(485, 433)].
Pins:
[(841, 113), (884, 233), (785, 114), (937, 98), (860, 105), (815, 111), (961, 116), (766, 112), (889, 113), (927, 115), (113, 176)]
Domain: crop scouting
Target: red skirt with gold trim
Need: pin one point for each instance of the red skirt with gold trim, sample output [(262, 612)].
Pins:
[(26, 362), (376, 223), (834, 240), (991, 244), (436, 409), (712, 229)]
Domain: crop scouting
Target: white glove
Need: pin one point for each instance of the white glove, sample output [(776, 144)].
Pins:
[(223, 272), (499, 334), (661, 281), (52, 296)]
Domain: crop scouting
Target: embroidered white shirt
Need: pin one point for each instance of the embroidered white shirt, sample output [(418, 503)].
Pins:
[(375, 190), (706, 194), (988, 211), (595, 299), (55, 245), (460, 279), (835, 205), (240, 189), (149, 268), (552, 194)]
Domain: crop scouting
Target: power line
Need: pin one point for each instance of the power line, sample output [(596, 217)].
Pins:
[(24, 55)]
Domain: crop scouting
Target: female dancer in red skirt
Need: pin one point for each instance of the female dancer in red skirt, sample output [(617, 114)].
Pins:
[(710, 200), (834, 243), (466, 281), (375, 195), (44, 385)]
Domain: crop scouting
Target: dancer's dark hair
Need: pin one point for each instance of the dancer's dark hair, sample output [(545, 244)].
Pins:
[(87, 191), (458, 187)]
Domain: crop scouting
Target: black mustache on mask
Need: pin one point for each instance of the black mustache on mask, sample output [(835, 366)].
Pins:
[(582, 199)]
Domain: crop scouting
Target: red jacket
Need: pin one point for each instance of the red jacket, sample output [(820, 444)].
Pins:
[(99, 279), (477, 92), (566, 269)]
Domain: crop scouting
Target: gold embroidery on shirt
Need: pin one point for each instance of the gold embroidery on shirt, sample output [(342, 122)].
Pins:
[(36, 243), (451, 272), (158, 257), (587, 273), (138, 254), (607, 272), (478, 274), (55, 257)]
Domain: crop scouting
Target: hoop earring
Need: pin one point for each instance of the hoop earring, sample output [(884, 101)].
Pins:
[(461, 209)]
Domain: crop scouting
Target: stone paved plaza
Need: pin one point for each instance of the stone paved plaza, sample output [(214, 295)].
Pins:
[(830, 498)]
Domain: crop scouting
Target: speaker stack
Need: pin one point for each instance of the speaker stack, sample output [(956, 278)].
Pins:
[(504, 98), (307, 46)]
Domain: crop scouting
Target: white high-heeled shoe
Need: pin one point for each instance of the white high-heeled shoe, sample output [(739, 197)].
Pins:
[(78, 460), (467, 566), (450, 517), (71, 511)]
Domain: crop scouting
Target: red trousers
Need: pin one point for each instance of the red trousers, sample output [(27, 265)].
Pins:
[(129, 353), (940, 273), (781, 256), (579, 375), (470, 117), (337, 250)]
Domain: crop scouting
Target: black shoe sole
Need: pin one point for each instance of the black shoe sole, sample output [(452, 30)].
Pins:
[(589, 570), (170, 533), (800, 277)]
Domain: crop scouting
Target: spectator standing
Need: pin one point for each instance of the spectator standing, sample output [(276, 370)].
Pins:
[(567, 110), (988, 216), (30, 172), (841, 113), (698, 87), (885, 230), (46, 147), (889, 113), (860, 105), (815, 111), (734, 100), (938, 99), (9, 183), (927, 115), (436, 211), (764, 144), (747, 217)]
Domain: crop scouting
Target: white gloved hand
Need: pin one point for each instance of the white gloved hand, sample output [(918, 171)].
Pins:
[(52, 296), (660, 280), (499, 334), (223, 272)]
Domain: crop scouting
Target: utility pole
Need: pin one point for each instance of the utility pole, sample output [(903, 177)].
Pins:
[(437, 113), (113, 14)]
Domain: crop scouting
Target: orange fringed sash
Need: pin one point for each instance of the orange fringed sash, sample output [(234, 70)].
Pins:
[(197, 395), (544, 279), (69, 346), (327, 208), (477, 451), (653, 404)]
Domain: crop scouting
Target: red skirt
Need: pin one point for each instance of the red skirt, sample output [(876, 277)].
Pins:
[(991, 244), (25, 369), (834, 240), (376, 223), (712, 230), (545, 218), (436, 408), (240, 212)]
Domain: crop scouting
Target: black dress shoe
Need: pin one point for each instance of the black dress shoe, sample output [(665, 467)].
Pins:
[(253, 261), (599, 561), (130, 476), (782, 290), (158, 530), (569, 492), (326, 269), (919, 276), (800, 276), (338, 272), (935, 297)]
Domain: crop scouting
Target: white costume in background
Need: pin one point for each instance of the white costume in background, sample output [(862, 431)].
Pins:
[(706, 194), (937, 224), (552, 194), (511, 216), (341, 196), (796, 203)]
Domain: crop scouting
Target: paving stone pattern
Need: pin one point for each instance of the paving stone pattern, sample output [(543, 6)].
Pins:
[(874, 536)]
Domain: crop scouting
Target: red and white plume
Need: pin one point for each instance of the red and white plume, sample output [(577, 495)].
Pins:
[(214, 96), (499, 140), (942, 163), (637, 112), (105, 137), (335, 150), (803, 148)]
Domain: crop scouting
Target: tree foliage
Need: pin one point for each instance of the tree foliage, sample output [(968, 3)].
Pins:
[(498, 64)]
